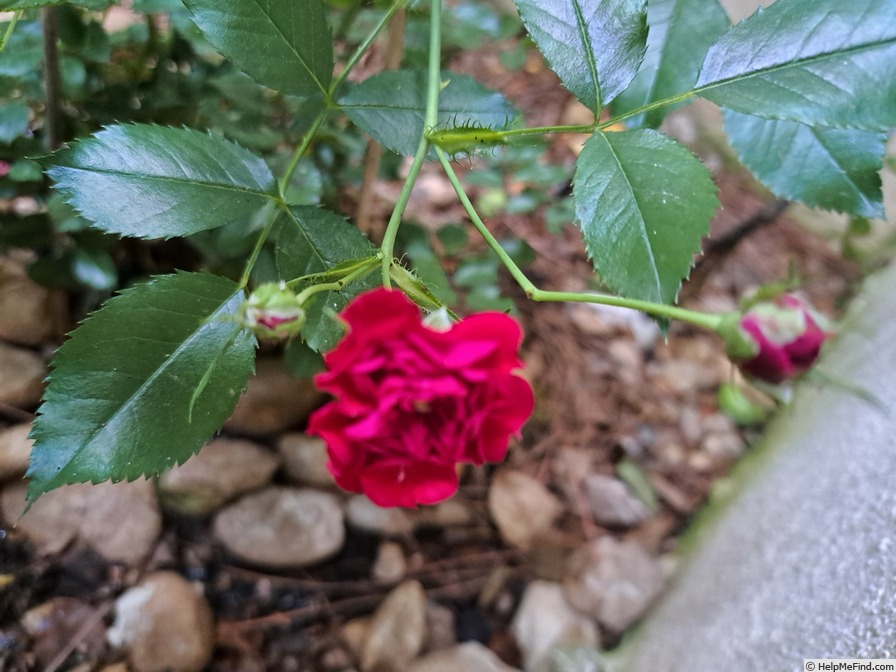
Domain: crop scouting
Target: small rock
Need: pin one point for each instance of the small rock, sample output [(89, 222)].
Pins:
[(545, 621), (440, 631), (613, 582), (724, 446), (222, 470), (119, 521), (397, 630), (612, 504), (365, 515), (165, 624), (26, 311), (274, 401), (15, 449), (305, 459), (355, 632), (629, 360), (468, 657), (390, 565), (450, 513), (52, 626), (603, 320), (22, 381), (282, 527), (577, 659), (522, 508)]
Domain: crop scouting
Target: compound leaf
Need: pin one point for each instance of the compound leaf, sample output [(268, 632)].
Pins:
[(118, 404), (157, 182), (643, 202)]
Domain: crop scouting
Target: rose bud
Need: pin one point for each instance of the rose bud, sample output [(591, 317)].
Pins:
[(774, 341), (411, 402), (273, 312)]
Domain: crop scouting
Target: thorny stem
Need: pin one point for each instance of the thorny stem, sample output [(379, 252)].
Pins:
[(359, 272), (431, 119), (708, 321)]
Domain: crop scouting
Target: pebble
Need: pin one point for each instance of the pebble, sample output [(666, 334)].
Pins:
[(15, 450), (397, 630), (467, 657), (390, 565), (22, 380), (545, 621), (274, 401), (365, 515), (305, 459), (223, 470), (440, 630), (522, 508), (282, 527), (165, 624), (450, 513), (119, 521), (613, 582), (612, 503), (26, 310)]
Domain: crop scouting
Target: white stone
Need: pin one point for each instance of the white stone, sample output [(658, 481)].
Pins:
[(165, 624), (397, 630), (15, 450), (365, 515), (522, 508), (612, 504), (544, 621), (283, 527), (21, 376), (305, 459), (468, 657), (613, 582), (224, 469), (26, 315)]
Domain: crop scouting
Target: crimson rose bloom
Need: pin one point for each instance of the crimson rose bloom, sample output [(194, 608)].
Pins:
[(786, 340), (412, 402)]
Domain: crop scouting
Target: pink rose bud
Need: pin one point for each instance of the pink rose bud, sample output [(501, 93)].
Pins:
[(412, 401), (775, 341), (4, 169)]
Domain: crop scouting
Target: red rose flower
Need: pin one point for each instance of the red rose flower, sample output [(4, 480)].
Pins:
[(783, 339), (412, 402)]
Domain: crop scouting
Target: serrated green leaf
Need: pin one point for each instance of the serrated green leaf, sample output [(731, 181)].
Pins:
[(831, 168), (595, 46), (283, 44), (391, 106), (157, 182), (313, 240), (819, 62), (643, 202), (118, 401), (680, 33)]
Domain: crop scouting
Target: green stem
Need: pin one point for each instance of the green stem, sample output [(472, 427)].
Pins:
[(307, 293), (672, 100), (271, 211), (708, 321), (365, 45), (10, 28), (300, 151), (431, 119)]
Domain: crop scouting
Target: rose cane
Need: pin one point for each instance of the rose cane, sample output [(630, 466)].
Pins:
[(412, 402), (774, 341)]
